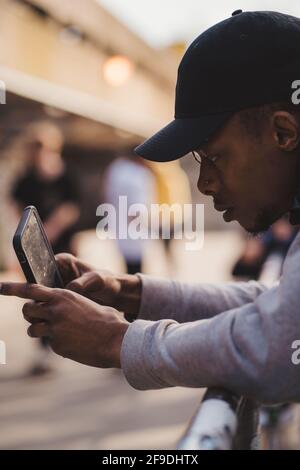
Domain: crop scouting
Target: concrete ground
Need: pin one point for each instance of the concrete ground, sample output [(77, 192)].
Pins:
[(79, 407)]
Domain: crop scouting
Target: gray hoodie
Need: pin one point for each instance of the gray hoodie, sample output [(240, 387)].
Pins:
[(235, 335)]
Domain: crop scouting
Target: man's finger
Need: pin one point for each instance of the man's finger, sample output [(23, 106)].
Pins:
[(67, 266), (82, 283), (39, 330), (26, 291), (70, 262), (63, 257), (34, 310)]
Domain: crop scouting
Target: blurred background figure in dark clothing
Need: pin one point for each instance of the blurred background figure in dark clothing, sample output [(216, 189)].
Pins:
[(47, 186), (271, 246)]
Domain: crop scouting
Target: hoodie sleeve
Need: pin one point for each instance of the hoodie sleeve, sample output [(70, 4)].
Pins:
[(185, 302), (247, 349)]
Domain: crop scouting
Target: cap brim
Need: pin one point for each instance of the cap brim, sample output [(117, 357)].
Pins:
[(180, 137)]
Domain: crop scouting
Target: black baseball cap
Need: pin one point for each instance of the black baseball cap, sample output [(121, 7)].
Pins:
[(247, 60)]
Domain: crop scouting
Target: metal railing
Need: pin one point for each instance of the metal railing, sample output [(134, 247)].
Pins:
[(223, 422)]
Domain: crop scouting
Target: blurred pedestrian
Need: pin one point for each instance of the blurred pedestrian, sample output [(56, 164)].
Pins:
[(173, 191), (47, 186), (129, 176), (275, 241)]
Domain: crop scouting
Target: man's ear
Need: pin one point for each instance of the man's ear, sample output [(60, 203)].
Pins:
[(286, 130)]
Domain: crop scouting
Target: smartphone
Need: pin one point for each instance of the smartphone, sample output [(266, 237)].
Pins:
[(34, 251)]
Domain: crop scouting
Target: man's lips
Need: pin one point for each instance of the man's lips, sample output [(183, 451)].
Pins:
[(228, 211), (221, 207)]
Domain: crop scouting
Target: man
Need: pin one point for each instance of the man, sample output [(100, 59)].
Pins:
[(233, 106)]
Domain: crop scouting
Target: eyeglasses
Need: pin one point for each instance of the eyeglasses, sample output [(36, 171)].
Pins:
[(199, 156)]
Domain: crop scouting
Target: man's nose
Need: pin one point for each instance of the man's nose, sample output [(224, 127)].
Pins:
[(208, 182)]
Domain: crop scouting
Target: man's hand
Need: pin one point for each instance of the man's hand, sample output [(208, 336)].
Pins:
[(77, 328), (71, 267), (122, 292)]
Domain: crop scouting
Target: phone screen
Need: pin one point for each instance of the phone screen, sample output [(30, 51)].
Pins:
[(40, 259)]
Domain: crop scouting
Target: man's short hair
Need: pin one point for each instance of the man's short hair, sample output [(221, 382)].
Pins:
[(255, 119)]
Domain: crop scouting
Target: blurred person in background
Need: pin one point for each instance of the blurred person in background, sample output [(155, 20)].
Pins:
[(47, 186), (13, 164), (129, 176), (276, 240), (173, 191)]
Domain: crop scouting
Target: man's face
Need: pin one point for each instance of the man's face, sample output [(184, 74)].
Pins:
[(252, 178)]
